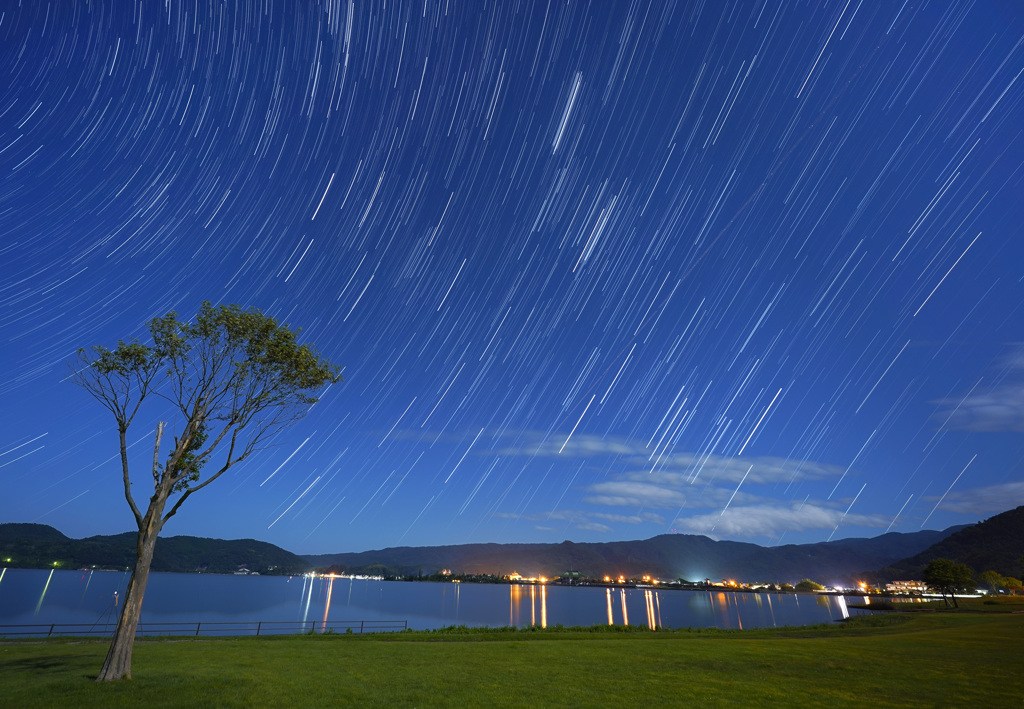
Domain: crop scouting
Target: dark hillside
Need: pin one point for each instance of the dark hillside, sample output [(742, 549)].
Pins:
[(995, 544), (40, 546)]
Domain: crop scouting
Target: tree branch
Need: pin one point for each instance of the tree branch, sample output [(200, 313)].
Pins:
[(233, 368), (156, 452), (126, 478), (210, 479)]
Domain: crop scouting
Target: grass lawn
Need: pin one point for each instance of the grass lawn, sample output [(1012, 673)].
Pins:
[(958, 659)]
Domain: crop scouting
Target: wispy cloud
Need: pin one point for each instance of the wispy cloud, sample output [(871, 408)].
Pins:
[(628, 493), (643, 517), (594, 527), (662, 492), (685, 465), (773, 520), (989, 408), (746, 488), (992, 410), (542, 445), (585, 520), (984, 501)]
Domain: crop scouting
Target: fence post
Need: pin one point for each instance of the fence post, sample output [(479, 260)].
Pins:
[(197, 629), (51, 630), (361, 627), (258, 625)]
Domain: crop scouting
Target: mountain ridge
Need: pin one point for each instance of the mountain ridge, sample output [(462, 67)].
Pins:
[(996, 543), (690, 557), (30, 545)]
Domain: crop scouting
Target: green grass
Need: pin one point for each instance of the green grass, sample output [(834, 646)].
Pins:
[(905, 660), (987, 604)]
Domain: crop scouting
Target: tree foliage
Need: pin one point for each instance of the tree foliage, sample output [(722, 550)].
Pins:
[(993, 580), (233, 378), (996, 582), (948, 577), (806, 586)]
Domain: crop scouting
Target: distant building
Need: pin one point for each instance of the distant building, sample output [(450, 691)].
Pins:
[(906, 587)]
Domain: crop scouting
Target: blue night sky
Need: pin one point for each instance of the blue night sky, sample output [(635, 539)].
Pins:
[(594, 270)]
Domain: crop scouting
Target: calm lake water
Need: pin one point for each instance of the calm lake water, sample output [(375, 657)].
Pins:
[(32, 596)]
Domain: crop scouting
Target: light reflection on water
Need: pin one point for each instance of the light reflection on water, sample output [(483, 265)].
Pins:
[(533, 605), (307, 591), (88, 580), (649, 604), (841, 604), (46, 587), (327, 604), (537, 600), (37, 596)]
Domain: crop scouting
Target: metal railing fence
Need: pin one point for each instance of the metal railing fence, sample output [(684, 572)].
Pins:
[(207, 628)]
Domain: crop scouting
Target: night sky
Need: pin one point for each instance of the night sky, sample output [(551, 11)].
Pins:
[(594, 271)]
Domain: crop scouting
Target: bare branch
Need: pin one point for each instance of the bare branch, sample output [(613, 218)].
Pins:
[(126, 478), (156, 452), (209, 449)]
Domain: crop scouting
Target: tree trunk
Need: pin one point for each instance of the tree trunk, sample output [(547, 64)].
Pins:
[(118, 664)]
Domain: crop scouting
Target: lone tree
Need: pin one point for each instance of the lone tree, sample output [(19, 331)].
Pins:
[(808, 586), (947, 577), (234, 377), (993, 579)]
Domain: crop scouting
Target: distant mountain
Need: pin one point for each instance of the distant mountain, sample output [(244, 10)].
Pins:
[(997, 544), (686, 556), (39, 546)]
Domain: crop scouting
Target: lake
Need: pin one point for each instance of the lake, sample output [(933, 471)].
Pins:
[(34, 596)]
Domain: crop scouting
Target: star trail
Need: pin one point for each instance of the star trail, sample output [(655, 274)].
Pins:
[(593, 270)]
